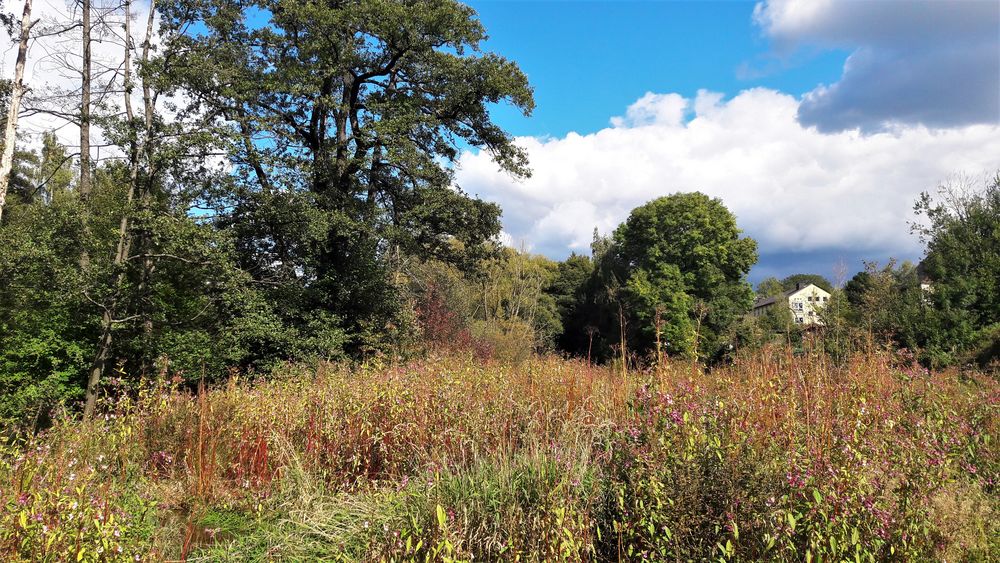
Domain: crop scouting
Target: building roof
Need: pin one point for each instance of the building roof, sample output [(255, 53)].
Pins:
[(764, 302)]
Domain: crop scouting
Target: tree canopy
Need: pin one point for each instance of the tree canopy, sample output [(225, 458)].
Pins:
[(672, 276), (342, 119), (962, 266), (289, 168)]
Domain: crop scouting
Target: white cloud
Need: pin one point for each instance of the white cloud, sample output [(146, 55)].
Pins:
[(791, 187), (931, 62), (660, 109)]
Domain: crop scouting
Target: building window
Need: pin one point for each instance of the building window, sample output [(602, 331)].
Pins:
[(797, 306)]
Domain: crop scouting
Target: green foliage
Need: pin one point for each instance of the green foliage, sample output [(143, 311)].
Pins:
[(514, 288), (502, 310), (962, 265), (43, 330), (887, 306), (676, 269), (343, 119), (770, 287), (662, 309), (803, 280), (569, 291)]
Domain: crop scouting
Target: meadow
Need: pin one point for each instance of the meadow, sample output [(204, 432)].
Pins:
[(779, 456)]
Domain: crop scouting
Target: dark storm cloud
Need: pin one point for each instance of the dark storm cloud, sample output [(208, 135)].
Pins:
[(914, 62)]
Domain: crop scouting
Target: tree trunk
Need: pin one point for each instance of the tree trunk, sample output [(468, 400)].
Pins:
[(16, 93), (100, 362), (85, 107), (139, 151)]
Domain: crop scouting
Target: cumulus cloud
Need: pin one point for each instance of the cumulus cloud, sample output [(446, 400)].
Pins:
[(662, 109), (792, 187), (929, 62)]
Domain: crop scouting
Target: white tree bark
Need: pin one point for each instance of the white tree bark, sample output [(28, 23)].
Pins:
[(16, 93)]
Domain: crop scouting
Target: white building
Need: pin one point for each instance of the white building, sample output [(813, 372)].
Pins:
[(804, 301)]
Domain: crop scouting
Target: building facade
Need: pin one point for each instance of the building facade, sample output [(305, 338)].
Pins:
[(804, 302)]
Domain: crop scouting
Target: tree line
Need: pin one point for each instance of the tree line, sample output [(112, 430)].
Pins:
[(671, 280), (275, 168), (276, 185)]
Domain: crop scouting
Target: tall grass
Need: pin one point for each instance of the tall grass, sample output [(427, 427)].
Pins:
[(777, 457)]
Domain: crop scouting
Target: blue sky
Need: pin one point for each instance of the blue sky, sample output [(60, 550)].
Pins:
[(589, 60), (817, 122)]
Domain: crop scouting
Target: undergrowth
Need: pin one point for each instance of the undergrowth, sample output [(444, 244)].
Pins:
[(777, 457)]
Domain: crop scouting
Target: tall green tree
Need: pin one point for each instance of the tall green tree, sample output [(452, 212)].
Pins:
[(962, 266), (673, 275), (343, 117), (45, 329), (685, 262)]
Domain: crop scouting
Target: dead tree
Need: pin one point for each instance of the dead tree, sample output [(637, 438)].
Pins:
[(138, 153), (85, 105), (16, 93)]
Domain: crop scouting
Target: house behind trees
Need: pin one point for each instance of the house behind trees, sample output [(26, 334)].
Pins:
[(804, 302)]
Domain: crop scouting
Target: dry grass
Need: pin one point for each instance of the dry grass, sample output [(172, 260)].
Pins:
[(778, 456)]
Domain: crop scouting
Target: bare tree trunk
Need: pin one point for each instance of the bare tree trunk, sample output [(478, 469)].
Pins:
[(16, 93), (100, 362), (138, 151), (85, 107), (134, 159)]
